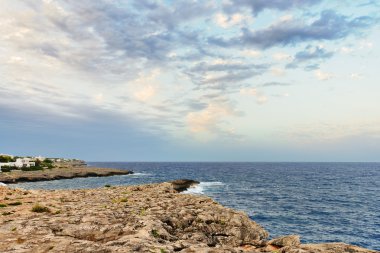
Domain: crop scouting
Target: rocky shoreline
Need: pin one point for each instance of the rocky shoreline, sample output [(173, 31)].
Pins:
[(59, 172), (145, 218)]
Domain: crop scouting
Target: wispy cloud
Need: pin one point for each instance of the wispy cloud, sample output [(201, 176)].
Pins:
[(170, 68), (261, 5), (329, 26), (310, 54)]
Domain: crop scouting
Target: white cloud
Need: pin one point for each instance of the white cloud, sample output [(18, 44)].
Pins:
[(249, 91), (356, 76), (282, 56), (225, 21), (145, 94), (260, 97), (366, 44), (346, 50), (278, 71), (208, 119), (329, 131), (251, 53), (286, 18), (99, 98), (323, 76)]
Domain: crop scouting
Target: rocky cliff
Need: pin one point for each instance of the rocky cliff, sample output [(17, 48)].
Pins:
[(147, 218)]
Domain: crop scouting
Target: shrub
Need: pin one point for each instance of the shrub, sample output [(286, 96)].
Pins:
[(107, 185), (37, 208), (31, 168), (155, 233), (47, 160), (3, 205), (124, 200), (5, 159), (6, 169), (120, 200)]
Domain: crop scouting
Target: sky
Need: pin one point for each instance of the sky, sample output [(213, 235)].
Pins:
[(187, 80)]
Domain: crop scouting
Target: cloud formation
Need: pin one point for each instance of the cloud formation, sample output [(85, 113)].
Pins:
[(171, 68), (261, 5), (310, 54), (329, 26)]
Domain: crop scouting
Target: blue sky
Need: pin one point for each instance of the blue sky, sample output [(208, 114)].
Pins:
[(233, 80)]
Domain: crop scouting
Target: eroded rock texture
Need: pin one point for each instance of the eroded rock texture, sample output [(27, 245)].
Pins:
[(147, 218)]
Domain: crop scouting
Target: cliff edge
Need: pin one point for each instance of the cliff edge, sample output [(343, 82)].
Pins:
[(146, 218)]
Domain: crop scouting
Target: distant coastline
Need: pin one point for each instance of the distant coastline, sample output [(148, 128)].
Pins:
[(58, 170)]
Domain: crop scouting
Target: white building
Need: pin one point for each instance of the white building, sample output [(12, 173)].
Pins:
[(19, 163), (41, 158), (23, 162)]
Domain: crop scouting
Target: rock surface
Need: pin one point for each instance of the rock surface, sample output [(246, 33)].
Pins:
[(16, 176), (181, 185), (289, 240), (146, 218)]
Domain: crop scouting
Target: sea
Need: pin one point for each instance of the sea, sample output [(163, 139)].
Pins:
[(322, 202)]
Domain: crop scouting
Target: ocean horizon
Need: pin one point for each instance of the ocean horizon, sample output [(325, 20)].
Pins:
[(321, 201)]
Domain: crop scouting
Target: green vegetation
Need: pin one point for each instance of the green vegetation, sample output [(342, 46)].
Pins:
[(31, 168), (5, 168), (47, 163), (163, 251), (155, 233), (107, 185), (37, 208), (6, 159), (6, 213), (39, 165), (124, 200), (3, 205), (120, 200), (142, 212)]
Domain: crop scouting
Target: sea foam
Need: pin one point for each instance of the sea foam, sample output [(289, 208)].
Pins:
[(202, 187)]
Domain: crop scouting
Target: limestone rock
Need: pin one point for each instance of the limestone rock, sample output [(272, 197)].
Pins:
[(288, 240), (183, 184), (145, 218)]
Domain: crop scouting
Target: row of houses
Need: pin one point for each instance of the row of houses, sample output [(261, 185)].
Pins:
[(21, 162)]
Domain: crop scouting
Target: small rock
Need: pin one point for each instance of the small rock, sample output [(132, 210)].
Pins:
[(183, 184), (288, 240)]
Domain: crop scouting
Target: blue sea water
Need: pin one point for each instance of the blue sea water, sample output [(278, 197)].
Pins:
[(322, 202)]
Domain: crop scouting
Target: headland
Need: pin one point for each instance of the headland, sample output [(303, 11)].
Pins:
[(54, 170)]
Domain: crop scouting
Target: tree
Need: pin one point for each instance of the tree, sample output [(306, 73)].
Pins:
[(5, 159)]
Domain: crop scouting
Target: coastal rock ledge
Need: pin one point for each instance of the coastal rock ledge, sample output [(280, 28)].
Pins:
[(145, 218), (62, 172)]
